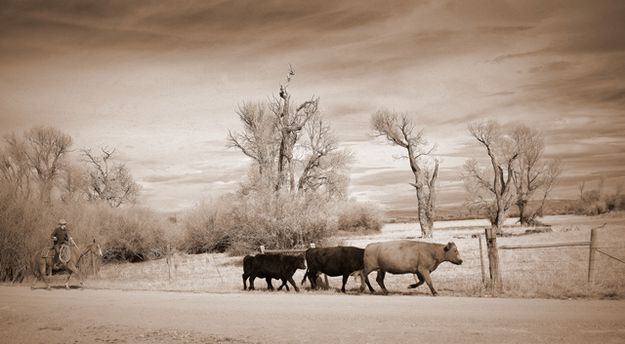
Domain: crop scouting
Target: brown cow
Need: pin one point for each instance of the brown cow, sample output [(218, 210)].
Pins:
[(407, 256)]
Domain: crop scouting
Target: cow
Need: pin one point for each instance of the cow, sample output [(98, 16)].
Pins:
[(407, 256), (334, 261), (276, 266), (248, 264)]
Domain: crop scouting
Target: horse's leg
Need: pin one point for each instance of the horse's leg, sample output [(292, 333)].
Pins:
[(40, 272), (72, 269)]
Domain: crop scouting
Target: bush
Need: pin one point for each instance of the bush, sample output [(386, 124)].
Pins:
[(129, 234), (240, 223), (359, 217), (132, 234)]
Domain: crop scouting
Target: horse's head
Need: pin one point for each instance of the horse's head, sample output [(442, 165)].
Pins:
[(95, 248)]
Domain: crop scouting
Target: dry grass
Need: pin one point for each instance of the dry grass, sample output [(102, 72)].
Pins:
[(528, 273)]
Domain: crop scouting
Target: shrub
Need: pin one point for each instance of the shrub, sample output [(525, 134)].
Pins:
[(359, 217), (240, 223)]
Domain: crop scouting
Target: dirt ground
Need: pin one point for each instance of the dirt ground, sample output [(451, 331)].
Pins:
[(116, 316)]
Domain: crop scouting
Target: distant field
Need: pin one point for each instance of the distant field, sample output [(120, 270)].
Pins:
[(550, 272)]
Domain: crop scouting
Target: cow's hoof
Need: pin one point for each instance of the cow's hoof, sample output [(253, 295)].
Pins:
[(412, 286)]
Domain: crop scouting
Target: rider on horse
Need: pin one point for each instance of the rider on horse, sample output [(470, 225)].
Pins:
[(60, 236)]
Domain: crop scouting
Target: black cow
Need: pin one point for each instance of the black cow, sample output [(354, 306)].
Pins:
[(333, 261), (248, 265), (276, 266)]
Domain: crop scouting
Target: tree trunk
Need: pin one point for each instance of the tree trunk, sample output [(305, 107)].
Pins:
[(425, 219), (524, 219), (499, 219)]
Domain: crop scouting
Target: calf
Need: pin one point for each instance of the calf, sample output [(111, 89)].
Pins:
[(276, 266), (406, 256), (334, 261), (248, 264)]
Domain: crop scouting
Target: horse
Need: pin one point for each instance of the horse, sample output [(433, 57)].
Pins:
[(42, 263)]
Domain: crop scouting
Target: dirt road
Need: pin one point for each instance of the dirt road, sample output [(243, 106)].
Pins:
[(114, 316)]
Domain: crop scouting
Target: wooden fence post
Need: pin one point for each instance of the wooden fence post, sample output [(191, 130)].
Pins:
[(479, 239), (493, 260), (169, 261), (591, 258)]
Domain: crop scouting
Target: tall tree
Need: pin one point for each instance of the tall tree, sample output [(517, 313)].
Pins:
[(534, 175), (290, 121), (108, 181), (324, 163), (399, 130), (285, 140), (15, 172), (258, 140), (502, 153), (45, 149)]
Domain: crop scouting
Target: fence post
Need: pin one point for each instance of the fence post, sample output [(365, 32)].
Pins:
[(479, 239), (591, 258), (493, 260), (169, 260), (94, 268)]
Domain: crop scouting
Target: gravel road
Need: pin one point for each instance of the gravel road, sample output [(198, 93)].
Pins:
[(116, 316)]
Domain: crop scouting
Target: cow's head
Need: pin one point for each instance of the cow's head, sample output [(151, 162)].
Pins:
[(301, 262), (452, 254)]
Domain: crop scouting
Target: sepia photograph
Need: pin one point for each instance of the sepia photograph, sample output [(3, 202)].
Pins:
[(410, 171)]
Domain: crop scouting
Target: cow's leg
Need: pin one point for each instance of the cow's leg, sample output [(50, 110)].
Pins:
[(365, 277), (421, 281), (345, 278), (269, 285), (283, 285), (292, 283), (244, 276), (252, 277), (380, 280), (312, 277), (426, 275)]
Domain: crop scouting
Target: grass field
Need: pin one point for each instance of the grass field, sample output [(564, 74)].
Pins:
[(530, 273)]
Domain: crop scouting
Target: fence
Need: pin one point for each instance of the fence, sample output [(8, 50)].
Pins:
[(557, 263)]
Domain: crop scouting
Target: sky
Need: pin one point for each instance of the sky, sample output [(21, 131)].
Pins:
[(160, 82)]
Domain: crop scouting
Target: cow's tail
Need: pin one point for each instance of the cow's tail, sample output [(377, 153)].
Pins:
[(305, 275)]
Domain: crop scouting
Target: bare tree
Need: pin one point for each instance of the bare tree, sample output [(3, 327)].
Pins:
[(324, 163), (399, 130), (258, 139), (110, 182), (289, 123), (533, 172), (15, 171), (74, 183), (502, 153), (45, 149), (280, 138)]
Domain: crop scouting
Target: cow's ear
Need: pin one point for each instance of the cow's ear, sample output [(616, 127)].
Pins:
[(448, 246)]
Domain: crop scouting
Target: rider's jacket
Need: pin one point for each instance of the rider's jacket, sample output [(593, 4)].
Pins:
[(61, 234)]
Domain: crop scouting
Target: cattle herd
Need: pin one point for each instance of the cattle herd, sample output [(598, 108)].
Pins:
[(395, 257)]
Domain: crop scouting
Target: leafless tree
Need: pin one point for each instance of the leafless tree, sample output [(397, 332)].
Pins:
[(258, 139), (74, 183), (533, 173), (283, 140), (399, 130), (497, 182), (323, 163), (15, 171), (111, 182), (45, 149), (290, 121)]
